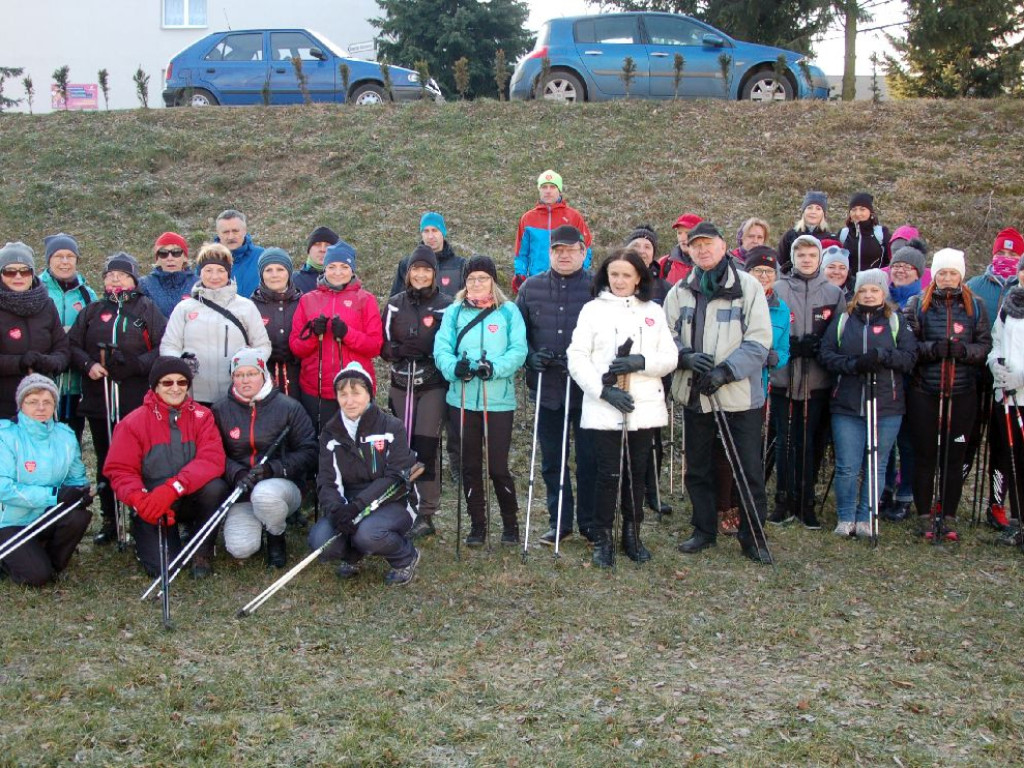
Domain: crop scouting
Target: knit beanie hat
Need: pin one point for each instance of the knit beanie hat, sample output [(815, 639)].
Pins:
[(341, 252), (549, 177), (873, 277), (1009, 240), (912, 255), (432, 219), (804, 240), (353, 371), (646, 231), (215, 253), (949, 258), (835, 255), (165, 365), (566, 234), (814, 197), (687, 221), (761, 256), (17, 253), (423, 254), (122, 262), (478, 263), (321, 235), (33, 383), (171, 238), (60, 242), (274, 256), (249, 357), (864, 200)]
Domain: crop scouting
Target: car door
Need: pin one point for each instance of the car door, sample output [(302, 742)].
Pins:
[(236, 68), (320, 71), (665, 36), (603, 43)]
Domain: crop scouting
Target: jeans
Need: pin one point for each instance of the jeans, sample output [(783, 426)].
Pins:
[(549, 436), (382, 532), (903, 490), (850, 437)]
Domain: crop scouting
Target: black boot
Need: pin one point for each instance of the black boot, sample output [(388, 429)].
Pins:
[(631, 544), (277, 552), (783, 512), (510, 534), (604, 552), (423, 527), (477, 533), (107, 533), (654, 506)]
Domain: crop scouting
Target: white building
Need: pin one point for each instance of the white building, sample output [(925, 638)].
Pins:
[(121, 35)]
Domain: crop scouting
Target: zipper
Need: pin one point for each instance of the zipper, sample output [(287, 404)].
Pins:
[(252, 434)]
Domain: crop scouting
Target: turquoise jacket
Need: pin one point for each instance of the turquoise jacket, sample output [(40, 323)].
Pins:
[(35, 460), (502, 335), (779, 313), (69, 303)]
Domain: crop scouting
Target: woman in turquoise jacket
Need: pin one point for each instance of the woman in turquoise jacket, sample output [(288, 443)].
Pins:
[(40, 466), (481, 345)]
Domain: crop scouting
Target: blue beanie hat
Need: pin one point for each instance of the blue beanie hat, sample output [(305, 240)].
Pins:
[(60, 242), (341, 252), (432, 219), (274, 256)]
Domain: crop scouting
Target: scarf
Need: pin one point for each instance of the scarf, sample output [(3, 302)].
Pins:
[(24, 303), (314, 266), (711, 281), (480, 303), (1004, 266), (901, 293)]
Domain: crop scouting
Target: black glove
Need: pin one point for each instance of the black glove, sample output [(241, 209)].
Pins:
[(29, 360), (261, 472), (464, 370), (957, 350), (620, 399), (940, 349), (318, 325), (773, 358), (343, 517), (698, 362), (69, 494), (796, 347), (810, 345), (339, 328), (484, 370), (714, 380), (122, 366), (539, 360), (869, 362), (627, 364), (244, 480), (191, 361)]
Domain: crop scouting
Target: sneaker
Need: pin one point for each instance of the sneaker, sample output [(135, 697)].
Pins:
[(845, 529), (729, 522), (1011, 538), (898, 512), (997, 518), (591, 537), (548, 539), (863, 529), (399, 577), (781, 514), (348, 570)]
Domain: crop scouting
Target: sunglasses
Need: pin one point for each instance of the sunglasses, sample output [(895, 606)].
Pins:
[(15, 272), (169, 253), (168, 383)]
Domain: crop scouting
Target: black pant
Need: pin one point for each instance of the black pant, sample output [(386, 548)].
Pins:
[(923, 415), (1001, 464), (499, 439), (549, 437), (797, 429), (101, 444), (320, 410), (608, 450), (47, 554), (701, 434), (67, 413)]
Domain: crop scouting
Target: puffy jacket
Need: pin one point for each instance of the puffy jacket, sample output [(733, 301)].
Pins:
[(1008, 336), (551, 304), (778, 311), (153, 444), (813, 303), (502, 335), (204, 332), (533, 239), (946, 319), (245, 266), (604, 325), (733, 326), (411, 320), (866, 252), (248, 429), (675, 266), (358, 308), (70, 298), (28, 322), (990, 289), (136, 326), (449, 272), (786, 245), (861, 331), (278, 313), (168, 289), (36, 458), (307, 278)]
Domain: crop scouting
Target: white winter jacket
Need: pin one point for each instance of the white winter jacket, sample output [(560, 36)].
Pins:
[(604, 325)]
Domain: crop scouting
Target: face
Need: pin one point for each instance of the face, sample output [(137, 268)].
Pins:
[(567, 259), (837, 273), (859, 213), (549, 194), (275, 277), (622, 278), (683, 238), (420, 276), (1006, 254), (338, 273), (39, 405), (754, 236), (17, 277), (353, 399), (63, 264), (706, 252), (902, 273), (947, 278), (870, 296), (231, 232), (765, 276), (214, 276), (814, 214), (172, 389), (479, 285), (806, 259), (248, 381), (432, 236), (116, 281), (317, 251), (170, 258), (645, 248)]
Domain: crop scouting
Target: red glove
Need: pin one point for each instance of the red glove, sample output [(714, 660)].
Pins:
[(517, 281), (135, 499), (158, 503)]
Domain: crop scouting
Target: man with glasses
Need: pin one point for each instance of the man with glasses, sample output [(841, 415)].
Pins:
[(233, 233), (167, 462), (171, 279)]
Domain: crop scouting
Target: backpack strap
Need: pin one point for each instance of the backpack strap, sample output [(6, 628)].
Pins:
[(472, 323)]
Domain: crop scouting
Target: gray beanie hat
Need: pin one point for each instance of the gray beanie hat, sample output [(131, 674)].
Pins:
[(804, 240), (32, 383), (248, 357), (908, 254), (17, 253), (873, 277), (60, 242), (834, 254), (813, 197), (274, 256)]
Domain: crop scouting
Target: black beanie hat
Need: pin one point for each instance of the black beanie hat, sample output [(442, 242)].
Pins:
[(762, 256), (646, 231), (122, 262), (424, 254), (321, 235), (864, 200), (478, 263), (165, 365)]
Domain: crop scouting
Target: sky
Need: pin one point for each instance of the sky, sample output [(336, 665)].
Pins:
[(828, 52)]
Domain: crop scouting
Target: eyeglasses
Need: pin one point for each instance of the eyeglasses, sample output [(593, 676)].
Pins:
[(168, 383), (16, 272), (169, 253), (482, 279), (762, 272), (901, 266), (63, 257), (247, 375)]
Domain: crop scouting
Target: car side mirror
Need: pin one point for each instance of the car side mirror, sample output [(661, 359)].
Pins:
[(713, 41), (318, 54)]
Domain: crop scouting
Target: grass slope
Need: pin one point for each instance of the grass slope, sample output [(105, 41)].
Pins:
[(904, 655)]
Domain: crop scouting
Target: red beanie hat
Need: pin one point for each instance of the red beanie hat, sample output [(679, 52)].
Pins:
[(1009, 240), (171, 238)]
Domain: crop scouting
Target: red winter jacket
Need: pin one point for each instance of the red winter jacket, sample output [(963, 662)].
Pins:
[(147, 449), (362, 342)]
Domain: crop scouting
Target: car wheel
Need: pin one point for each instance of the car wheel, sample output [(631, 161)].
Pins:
[(200, 98), (765, 85), (369, 93), (562, 86)]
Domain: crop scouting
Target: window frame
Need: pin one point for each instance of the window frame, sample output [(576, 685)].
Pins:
[(187, 7)]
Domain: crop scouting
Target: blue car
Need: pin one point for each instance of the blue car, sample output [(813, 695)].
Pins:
[(587, 54), (240, 66)]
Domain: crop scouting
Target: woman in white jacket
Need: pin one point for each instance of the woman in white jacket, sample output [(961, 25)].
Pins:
[(212, 325), (620, 350)]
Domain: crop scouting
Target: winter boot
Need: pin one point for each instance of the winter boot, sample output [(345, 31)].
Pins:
[(201, 567), (107, 533), (631, 544), (808, 517), (423, 527), (783, 512), (477, 532), (886, 504), (604, 552), (277, 552), (510, 534), (997, 518)]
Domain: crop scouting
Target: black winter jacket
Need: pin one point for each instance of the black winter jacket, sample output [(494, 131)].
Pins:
[(551, 304), (449, 272), (411, 320), (306, 278), (865, 250), (864, 329), (278, 311), (135, 325), (946, 319)]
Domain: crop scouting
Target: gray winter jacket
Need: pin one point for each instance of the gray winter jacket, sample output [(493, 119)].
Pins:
[(813, 303)]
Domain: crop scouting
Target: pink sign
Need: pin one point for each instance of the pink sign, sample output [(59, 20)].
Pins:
[(81, 96)]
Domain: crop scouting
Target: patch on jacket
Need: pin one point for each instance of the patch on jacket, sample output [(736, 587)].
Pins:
[(445, 280), (958, 327), (347, 302), (492, 327), (30, 466), (428, 320), (193, 315), (105, 317), (877, 329), (235, 433), (649, 321), (77, 306), (14, 333), (266, 320)]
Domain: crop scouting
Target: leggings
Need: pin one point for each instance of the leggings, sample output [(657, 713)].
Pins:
[(923, 415)]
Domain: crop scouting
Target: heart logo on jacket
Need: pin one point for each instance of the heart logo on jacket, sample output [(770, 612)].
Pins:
[(958, 327), (105, 317), (379, 445), (193, 315), (77, 306), (877, 329), (827, 313), (649, 321), (445, 280), (347, 303), (428, 321), (14, 333), (493, 328), (235, 433), (266, 321), (30, 466)]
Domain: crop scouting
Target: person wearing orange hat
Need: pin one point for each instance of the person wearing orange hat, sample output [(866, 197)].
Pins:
[(171, 279)]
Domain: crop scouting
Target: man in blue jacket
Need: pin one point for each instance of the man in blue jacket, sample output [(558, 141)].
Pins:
[(233, 232)]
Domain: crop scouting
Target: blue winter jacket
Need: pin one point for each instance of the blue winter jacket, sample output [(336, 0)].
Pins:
[(245, 269), (35, 460), (69, 303), (990, 289), (502, 335), (167, 289)]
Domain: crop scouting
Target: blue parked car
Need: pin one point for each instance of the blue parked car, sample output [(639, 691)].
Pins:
[(587, 54), (235, 67)]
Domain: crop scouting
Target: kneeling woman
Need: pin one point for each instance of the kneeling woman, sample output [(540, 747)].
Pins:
[(40, 466), (363, 453)]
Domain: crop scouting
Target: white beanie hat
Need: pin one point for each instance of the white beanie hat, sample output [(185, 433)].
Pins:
[(949, 258)]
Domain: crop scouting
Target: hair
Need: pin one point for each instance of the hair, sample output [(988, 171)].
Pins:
[(216, 250), (499, 295), (965, 292), (753, 221), (644, 291), (35, 390), (349, 381), (887, 306), (433, 279), (231, 213)]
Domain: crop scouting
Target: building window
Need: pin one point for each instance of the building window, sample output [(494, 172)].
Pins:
[(184, 13)]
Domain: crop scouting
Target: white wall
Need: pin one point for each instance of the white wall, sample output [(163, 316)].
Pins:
[(121, 35)]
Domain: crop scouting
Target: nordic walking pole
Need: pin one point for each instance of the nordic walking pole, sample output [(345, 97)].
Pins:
[(410, 401), (805, 471), (487, 459), (671, 446), (873, 458), (980, 458), (563, 469), (319, 409), (942, 460), (458, 492), (165, 580), (49, 518), (533, 465)]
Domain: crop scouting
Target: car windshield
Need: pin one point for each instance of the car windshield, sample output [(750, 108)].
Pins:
[(333, 47)]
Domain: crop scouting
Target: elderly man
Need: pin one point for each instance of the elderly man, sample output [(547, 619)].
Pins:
[(719, 318), (233, 232)]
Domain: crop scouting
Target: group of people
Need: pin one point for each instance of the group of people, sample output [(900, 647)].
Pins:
[(242, 381)]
